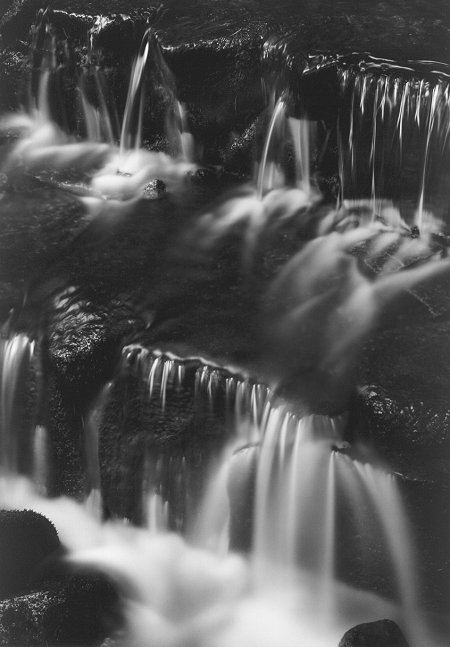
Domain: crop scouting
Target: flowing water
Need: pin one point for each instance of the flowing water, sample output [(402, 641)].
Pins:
[(401, 118), (313, 505)]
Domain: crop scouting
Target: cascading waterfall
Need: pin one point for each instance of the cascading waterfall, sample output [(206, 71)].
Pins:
[(391, 120), (291, 588)]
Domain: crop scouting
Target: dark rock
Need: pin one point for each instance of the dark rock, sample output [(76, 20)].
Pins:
[(38, 222), (21, 618), (147, 443), (154, 189), (82, 610), (27, 539), (89, 611), (382, 633)]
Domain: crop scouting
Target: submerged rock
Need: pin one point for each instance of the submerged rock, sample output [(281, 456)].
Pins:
[(382, 633)]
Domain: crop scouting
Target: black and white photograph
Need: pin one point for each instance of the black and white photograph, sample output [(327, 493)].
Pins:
[(224, 323)]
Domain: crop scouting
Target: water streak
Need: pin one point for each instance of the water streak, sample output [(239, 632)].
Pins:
[(132, 119), (16, 353)]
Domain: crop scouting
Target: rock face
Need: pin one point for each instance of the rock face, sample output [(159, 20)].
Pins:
[(383, 633)]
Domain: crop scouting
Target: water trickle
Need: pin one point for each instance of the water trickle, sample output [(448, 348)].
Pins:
[(186, 143), (268, 172), (245, 400), (286, 137), (16, 353), (41, 463), (91, 426), (131, 134)]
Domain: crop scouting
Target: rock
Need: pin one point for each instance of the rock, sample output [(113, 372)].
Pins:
[(84, 609), (28, 540), (382, 633), (153, 190), (21, 618), (88, 611), (38, 223), (145, 441)]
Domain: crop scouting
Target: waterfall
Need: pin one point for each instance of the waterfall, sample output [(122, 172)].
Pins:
[(134, 106), (16, 353), (326, 542), (390, 119), (285, 130)]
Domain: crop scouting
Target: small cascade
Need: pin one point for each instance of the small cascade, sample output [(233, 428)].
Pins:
[(392, 120), (90, 163), (157, 514), (131, 134), (16, 354), (91, 424), (268, 172), (187, 143), (286, 137), (370, 494), (303, 133), (43, 63), (304, 480), (98, 113), (303, 485), (243, 399), (293, 483)]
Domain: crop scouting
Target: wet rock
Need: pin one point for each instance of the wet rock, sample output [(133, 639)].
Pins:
[(382, 633), (27, 541), (162, 442), (21, 618), (38, 222), (153, 190), (87, 612), (82, 610)]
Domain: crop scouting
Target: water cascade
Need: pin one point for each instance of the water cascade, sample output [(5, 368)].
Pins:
[(391, 120), (324, 538), (16, 353)]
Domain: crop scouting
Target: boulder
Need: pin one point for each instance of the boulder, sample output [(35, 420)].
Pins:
[(382, 633), (28, 540), (82, 609)]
